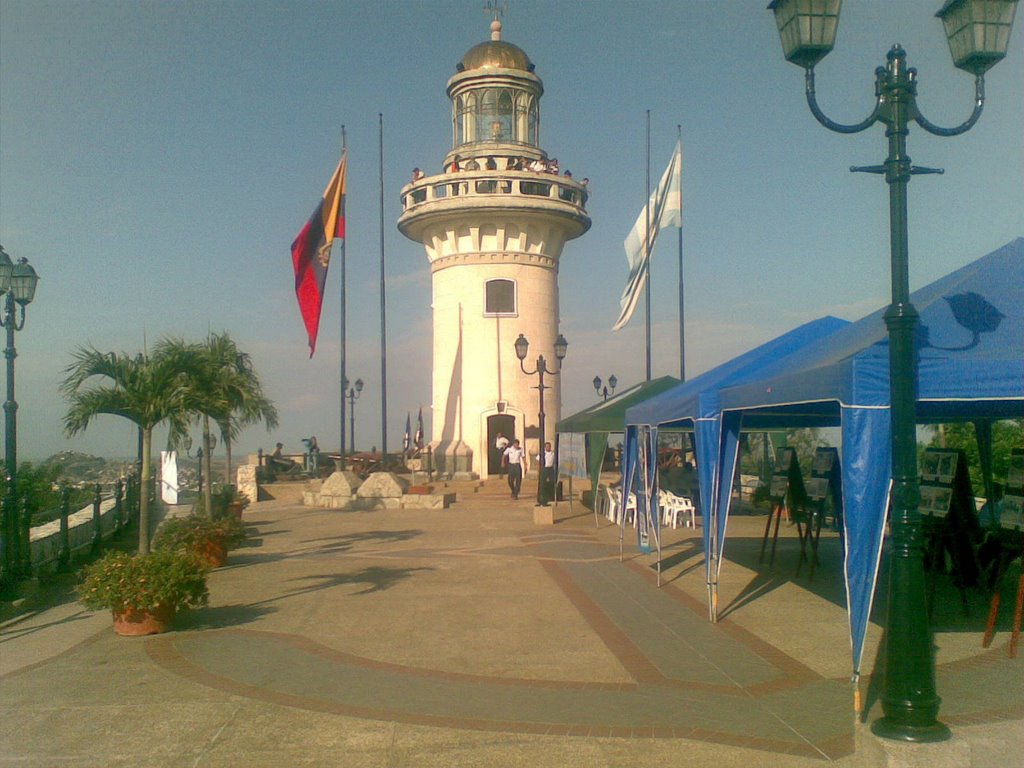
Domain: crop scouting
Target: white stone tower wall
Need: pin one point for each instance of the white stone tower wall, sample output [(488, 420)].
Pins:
[(475, 365)]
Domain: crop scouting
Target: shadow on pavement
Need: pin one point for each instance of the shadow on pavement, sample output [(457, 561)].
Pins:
[(349, 540), (222, 616), (374, 577)]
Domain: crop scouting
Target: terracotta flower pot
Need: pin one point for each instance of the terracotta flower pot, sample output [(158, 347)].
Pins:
[(235, 508), (215, 553), (136, 623)]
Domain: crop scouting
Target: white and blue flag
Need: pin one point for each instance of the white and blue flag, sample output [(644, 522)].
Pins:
[(666, 207)]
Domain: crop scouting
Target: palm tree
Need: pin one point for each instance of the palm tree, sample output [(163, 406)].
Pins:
[(146, 391), (223, 387), (241, 389)]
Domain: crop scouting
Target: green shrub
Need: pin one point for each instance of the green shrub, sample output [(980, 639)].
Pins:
[(164, 578), (194, 532)]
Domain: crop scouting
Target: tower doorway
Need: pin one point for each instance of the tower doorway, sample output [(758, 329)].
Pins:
[(500, 423)]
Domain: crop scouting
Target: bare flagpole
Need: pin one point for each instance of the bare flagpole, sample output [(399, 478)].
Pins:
[(343, 310), (383, 309), (647, 246), (682, 331)]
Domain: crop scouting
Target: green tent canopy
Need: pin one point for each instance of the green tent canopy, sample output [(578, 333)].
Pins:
[(599, 420)]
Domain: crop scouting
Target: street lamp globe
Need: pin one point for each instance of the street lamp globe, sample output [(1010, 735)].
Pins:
[(978, 32), (6, 268), (561, 347), (359, 385), (522, 347), (23, 282), (807, 28)]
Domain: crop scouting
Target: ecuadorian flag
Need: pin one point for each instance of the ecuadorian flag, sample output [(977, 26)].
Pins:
[(311, 250)]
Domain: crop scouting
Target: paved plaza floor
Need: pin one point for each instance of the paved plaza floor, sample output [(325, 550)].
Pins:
[(472, 637)]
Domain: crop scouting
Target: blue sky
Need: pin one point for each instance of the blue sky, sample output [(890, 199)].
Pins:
[(158, 158)]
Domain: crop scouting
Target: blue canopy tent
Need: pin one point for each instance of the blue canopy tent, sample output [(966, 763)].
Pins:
[(694, 404), (970, 357)]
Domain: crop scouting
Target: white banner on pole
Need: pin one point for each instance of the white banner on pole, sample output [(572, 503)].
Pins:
[(169, 477)]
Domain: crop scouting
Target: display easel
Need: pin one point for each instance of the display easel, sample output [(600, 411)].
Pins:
[(786, 491), (949, 520), (824, 487), (1009, 530)]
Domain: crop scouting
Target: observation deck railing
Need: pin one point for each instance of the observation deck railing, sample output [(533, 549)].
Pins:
[(501, 185)]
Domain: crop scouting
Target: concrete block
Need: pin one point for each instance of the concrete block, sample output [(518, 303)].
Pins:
[(543, 515), (428, 501), (345, 484), (383, 485)]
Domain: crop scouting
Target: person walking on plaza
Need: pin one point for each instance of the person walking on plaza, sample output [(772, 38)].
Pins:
[(501, 443), (313, 451), (547, 476), (516, 467)]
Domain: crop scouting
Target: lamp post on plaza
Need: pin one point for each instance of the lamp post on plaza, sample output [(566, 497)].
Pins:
[(17, 288), (522, 347), (604, 392), (352, 395), (978, 33)]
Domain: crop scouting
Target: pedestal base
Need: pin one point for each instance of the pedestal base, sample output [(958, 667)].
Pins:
[(451, 459), (543, 515), (886, 728)]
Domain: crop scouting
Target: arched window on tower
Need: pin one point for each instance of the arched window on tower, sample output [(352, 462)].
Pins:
[(465, 118), (500, 298), (494, 118)]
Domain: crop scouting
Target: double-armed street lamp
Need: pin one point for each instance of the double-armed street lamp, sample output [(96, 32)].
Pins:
[(605, 392), (352, 394), (978, 32), (17, 289), (541, 369)]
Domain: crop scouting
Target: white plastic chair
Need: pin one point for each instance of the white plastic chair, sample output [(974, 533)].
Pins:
[(676, 505), (612, 504), (631, 507)]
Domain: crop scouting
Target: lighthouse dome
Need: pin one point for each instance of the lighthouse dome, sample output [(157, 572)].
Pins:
[(495, 54)]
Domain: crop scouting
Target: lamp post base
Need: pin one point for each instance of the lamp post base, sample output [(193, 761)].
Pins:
[(889, 728)]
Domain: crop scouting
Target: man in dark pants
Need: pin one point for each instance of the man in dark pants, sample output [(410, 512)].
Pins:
[(516, 467), (547, 476)]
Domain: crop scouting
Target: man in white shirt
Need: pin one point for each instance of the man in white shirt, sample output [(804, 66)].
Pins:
[(547, 476), (516, 467)]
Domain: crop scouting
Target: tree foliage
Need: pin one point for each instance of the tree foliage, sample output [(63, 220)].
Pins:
[(179, 382), (1006, 435)]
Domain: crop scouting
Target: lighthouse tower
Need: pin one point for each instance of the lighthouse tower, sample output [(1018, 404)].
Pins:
[(493, 224)]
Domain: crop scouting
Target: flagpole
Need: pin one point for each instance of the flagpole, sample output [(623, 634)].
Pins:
[(647, 247), (682, 331), (383, 309), (343, 329)]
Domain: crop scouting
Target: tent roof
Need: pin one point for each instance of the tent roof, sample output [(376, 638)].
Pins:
[(610, 415), (699, 396), (970, 344)]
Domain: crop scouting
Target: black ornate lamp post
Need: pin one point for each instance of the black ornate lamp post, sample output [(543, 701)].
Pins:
[(522, 347), (352, 395), (978, 32), (18, 288), (605, 392)]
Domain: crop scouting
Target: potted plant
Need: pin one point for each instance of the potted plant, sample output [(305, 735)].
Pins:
[(237, 502), (144, 592), (208, 537)]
